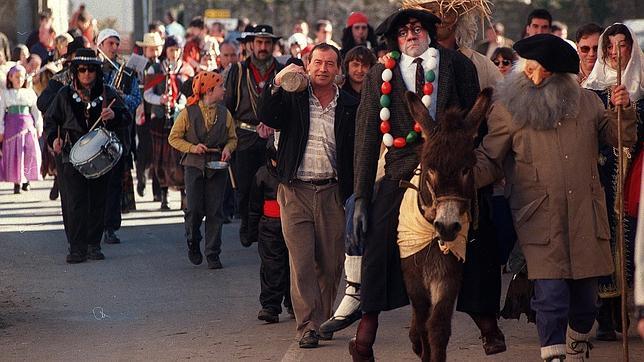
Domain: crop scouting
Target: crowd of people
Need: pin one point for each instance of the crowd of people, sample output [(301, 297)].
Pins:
[(306, 140)]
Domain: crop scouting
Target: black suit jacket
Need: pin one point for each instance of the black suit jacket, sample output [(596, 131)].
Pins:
[(458, 86), (290, 113)]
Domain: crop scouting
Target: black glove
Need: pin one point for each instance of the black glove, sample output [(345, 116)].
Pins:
[(360, 220)]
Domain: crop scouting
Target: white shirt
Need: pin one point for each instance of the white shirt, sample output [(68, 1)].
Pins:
[(319, 161), (408, 70), (20, 97)]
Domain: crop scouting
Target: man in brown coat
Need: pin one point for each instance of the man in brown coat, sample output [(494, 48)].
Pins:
[(544, 133)]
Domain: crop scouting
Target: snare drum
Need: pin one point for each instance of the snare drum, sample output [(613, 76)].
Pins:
[(96, 153)]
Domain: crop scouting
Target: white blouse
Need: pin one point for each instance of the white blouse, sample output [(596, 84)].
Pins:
[(20, 97)]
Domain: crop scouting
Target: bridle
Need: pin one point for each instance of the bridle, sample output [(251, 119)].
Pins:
[(428, 202)]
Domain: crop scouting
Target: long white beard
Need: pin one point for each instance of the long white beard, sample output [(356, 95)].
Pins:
[(539, 107)]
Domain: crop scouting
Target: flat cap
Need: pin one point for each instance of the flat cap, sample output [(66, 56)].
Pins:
[(552, 52)]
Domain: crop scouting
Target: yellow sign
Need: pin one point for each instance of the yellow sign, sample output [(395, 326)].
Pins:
[(217, 13)]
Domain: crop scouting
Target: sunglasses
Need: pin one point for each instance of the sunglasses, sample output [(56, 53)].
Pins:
[(416, 30), (586, 49), (86, 69), (505, 62)]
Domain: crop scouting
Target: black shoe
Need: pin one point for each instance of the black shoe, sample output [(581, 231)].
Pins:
[(227, 220), (109, 237), (156, 198), (268, 316), (194, 253), (164, 200), (214, 263), (140, 189), (26, 186), (16, 189), (53, 193), (494, 342), (337, 324), (94, 253), (75, 258), (325, 336), (243, 238), (310, 339)]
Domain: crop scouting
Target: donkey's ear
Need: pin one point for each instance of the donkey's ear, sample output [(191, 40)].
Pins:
[(419, 112), (480, 109)]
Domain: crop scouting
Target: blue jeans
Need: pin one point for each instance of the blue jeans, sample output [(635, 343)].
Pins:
[(350, 247), (562, 302)]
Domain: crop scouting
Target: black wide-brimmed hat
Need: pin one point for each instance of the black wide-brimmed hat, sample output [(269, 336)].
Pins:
[(86, 56), (244, 35), (264, 31), (390, 25), (552, 52)]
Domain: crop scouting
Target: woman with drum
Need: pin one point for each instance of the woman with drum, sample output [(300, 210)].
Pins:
[(74, 112)]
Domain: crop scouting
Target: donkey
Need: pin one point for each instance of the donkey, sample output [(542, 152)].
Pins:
[(445, 193)]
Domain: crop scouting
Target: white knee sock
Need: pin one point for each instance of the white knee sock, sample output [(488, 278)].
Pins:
[(577, 345), (351, 300), (553, 351)]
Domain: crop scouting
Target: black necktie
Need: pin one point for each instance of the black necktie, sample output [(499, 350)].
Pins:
[(420, 76)]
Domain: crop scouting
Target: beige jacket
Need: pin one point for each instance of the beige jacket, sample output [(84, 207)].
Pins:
[(557, 201), (487, 72)]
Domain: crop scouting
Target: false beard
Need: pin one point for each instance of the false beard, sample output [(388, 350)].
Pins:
[(539, 107)]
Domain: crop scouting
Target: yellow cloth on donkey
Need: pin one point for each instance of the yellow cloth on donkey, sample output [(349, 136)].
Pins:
[(415, 232)]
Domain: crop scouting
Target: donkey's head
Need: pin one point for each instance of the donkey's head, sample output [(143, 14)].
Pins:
[(446, 160)]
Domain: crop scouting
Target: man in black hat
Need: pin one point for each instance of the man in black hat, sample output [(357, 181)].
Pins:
[(73, 111), (544, 132), (444, 78), (47, 96), (244, 85)]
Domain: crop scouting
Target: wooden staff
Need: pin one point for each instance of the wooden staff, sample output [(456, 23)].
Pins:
[(101, 117), (620, 217)]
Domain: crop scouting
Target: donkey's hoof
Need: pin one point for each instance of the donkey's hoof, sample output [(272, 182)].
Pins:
[(494, 342), (416, 344)]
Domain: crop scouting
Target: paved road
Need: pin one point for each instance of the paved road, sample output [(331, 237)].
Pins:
[(147, 302)]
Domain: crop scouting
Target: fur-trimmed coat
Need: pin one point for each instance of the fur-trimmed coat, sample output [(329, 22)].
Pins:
[(550, 166)]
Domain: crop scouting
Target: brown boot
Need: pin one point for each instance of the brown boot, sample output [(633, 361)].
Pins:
[(361, 346)]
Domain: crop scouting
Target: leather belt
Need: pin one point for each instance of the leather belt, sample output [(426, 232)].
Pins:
[(327, 181), (247, 126)]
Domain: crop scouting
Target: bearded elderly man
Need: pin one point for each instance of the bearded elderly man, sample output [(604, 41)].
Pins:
[(544, 132), (444, 78), (315, 169)]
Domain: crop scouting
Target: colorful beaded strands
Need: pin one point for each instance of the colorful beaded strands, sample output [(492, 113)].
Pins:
[(385, 99)]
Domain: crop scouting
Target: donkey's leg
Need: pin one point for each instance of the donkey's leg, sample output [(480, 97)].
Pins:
[(444, 290), (421, 306)]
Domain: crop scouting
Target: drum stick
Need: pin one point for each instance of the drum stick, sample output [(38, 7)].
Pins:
[(101, 117), (232, 177), (213, 150)]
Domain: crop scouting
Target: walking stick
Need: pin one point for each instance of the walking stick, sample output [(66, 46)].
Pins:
[(620, 218)]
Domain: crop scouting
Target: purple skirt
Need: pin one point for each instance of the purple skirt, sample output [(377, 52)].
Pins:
[(21, 155)]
